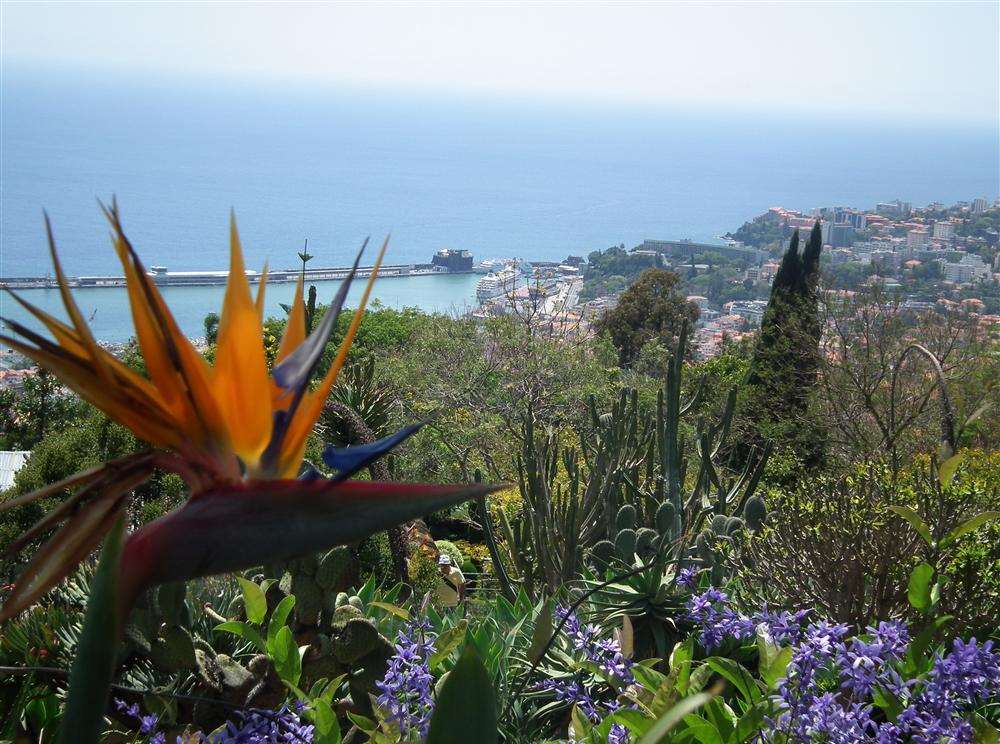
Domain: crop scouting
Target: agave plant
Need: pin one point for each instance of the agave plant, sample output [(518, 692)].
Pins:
[(235, 432)]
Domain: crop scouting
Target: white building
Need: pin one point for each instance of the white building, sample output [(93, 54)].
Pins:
[(944, 230), (979, 205), (971, 268), (917, 239)]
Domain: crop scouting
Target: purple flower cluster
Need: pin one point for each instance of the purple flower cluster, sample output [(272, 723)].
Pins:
[(826, 694), (147, 723), (606, 654), (863, 664), (254, 727), (968, 675), (688, 578), (406, 687), (266, 726)]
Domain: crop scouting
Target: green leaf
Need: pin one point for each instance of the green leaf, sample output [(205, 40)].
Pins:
[(946, 472), (243, 630), (286, 658), (738, 675), (94, 661), (919, 592), (915, 522), (325, 720), (579, 724), (771, 659), (917, 654), (392, 609), (253, 600), (749, 724), (447, 642), (657, 733), (680, 661), (633, 720), (984, 732), (542, 633), (278, 618), (466, 707), (968, 526), (365, 724)]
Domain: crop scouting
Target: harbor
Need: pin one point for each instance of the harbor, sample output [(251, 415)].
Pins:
[(443, 262)]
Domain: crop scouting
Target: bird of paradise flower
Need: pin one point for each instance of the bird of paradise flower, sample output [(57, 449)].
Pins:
[(235, 432)]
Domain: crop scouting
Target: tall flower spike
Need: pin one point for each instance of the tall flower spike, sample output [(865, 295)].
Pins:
[(235, 434)]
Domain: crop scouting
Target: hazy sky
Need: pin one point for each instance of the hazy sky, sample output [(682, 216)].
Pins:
[(903, 60)]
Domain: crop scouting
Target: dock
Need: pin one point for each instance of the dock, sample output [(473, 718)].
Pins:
[(164, 278)]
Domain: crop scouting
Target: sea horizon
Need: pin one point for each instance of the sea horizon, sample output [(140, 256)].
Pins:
[(495, 176)]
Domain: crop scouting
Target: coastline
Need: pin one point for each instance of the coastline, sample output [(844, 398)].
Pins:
[(108, 313)]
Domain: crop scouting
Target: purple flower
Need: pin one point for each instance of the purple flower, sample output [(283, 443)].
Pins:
[(958, 681), (864, 664), (406, 686), (606, 653), (618, 734), (716, 620), (265, 726), (688, 578)]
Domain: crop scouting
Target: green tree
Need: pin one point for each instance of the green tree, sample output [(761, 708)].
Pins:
[(786, 358), (652, 308)]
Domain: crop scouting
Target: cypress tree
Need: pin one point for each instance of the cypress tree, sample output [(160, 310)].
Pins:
[(786, 357)]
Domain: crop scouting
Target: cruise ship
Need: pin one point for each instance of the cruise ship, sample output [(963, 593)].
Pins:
[(497, 283)]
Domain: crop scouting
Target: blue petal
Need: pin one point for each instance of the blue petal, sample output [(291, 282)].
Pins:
[(346, 461)]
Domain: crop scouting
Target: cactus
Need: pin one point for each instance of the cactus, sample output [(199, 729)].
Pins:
[(755, 512), (332, 566)]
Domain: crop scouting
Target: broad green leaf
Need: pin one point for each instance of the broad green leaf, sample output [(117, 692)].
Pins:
[(633, 720), (984, 732), (738, 675), (749, 724), (918, 660), (772, 666), (579, 724), (650, 679), (243, 630), (94, 661), (946, 472), (680, 661), (919, 592), (325, 720), (466, 706), (253, 600), (278, 618), (915, 521), (658, 732), (392, 609), (700, 730), (365, 724), (968, 526), (286, 658), (699, 678), (542, 633), (447, 642)]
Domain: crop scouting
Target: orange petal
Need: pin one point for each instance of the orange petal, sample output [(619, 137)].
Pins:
[(240, 381)]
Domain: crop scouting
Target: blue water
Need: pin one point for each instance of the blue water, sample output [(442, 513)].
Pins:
[(495, 177)]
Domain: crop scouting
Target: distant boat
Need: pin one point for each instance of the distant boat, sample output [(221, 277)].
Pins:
[(497, 283)]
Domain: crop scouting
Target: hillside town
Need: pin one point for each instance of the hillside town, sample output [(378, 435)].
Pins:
[(937, 256)]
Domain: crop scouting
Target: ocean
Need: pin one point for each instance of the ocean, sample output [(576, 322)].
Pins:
[(496, 177)]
